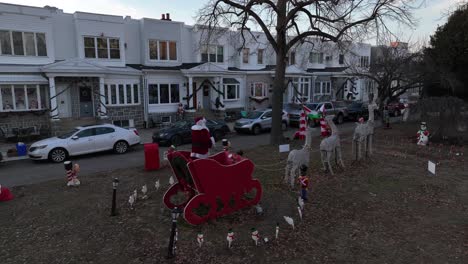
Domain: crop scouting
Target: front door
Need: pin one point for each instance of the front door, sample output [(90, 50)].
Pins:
[(63, 100), (206, 97), (86, 101)]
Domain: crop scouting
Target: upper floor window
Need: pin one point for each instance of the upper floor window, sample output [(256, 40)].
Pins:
[(22, 97), (328, 58), (315, 57), (212, 53), (163, 50), (364, 61), (163, 93), (341, 59), (258, 89), (245, 55), (302, 87), (22, 43), (101, 48), (260, 56), (292, 58), (122, 94)]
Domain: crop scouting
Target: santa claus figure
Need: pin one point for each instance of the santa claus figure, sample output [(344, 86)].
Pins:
[(202, 141), (423, 135), (5, 194)]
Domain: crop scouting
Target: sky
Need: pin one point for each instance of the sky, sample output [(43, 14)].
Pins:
[(430, 15)]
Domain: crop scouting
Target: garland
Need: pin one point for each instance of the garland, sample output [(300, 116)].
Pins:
[(258, 99)]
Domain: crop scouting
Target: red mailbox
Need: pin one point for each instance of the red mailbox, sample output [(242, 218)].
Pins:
[(151, 156)]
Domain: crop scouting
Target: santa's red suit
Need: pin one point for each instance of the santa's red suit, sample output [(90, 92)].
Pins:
[(5, 194), (202, 141)]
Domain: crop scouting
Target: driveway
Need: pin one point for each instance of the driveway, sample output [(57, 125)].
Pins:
[(25, 172)]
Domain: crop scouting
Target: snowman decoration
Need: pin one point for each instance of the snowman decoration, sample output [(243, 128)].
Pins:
[(423, 135), (200, 239), (230, 237), (255, 236)]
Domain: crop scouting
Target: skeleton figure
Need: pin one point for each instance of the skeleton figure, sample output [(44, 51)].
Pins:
[(296, 158), (331, 145), (364, 133)]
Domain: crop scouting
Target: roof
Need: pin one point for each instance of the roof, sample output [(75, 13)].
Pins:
[(83, 66), (267, 68), (22, 78), (329, 69), (183, 66)]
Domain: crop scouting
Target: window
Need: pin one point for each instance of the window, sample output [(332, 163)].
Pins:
[(322, 88), (301, 86), (364, 61), (231, 92), (164, 93), (104, 130), (328, 106), (211, 53), (245, 55), (162, 50), (86, 133), (101, 48), (22, 43), (121, 94), (21, 97), (315, 57), (328, 58), (292, 58), (260, 56), (341, 59), (258, 89)]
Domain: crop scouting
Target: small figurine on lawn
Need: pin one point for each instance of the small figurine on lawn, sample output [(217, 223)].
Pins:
[(423, 135), (255, 236), (72, 173), (303, 182), (5, 194), (200, 239), (230, 237)]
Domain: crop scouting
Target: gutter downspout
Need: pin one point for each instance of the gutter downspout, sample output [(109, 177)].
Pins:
[(145, 99)]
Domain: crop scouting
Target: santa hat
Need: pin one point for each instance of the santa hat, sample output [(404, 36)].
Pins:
[(198, 119)]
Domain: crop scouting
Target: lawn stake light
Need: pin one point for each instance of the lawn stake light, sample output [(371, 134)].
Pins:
[(172, 245), (115, 184), (277, 231)]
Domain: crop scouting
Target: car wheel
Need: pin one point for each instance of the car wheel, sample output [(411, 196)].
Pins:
[(340, 119), (218, 135), (256, 130), (176, 140), (58, 155), (120, 147), (284, 126)]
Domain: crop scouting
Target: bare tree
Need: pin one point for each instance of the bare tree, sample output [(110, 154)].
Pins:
[(287, 23), (394, 69)]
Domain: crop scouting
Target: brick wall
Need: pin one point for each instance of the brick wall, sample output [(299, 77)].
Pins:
[(26, 119)]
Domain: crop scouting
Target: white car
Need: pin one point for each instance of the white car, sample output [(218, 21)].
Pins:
[(83, 140)]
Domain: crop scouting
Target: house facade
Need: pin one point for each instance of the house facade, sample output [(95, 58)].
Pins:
[(59, 70)]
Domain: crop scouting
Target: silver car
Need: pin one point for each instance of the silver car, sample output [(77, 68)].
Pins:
[(257, 121)]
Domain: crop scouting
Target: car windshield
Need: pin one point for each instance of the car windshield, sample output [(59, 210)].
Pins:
[(355, 105), (289, 107), (68, 134), (253, 115), (312, 106), (179, 124)]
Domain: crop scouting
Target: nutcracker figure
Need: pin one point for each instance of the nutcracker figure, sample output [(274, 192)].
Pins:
[(303, 182), (423, 135)]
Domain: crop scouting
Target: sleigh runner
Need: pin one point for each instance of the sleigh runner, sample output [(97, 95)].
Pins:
[(211, 187)]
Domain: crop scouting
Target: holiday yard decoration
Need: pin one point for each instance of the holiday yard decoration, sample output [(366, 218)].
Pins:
[(230, 237), (255, 236), (296, 158), (200, 239), (289, 220), (277, 230), (72, 174), (144, 190), (5, 194), (364, 133), (423, 135), (202, 140), (157, 185), (131, 201), (331, 145), (171, 180), (304, 184), (213, 187)]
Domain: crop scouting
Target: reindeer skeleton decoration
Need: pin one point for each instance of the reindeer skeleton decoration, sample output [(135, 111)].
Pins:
[(296, 158), (364, 133), (331, 145)]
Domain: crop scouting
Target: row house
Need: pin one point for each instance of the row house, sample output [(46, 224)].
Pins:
[(59, 70)]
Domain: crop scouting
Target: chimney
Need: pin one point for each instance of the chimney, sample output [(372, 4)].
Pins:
[(168, 17), (163, 17)]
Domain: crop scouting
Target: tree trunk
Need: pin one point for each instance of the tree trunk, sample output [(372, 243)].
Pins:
[(276, 135)]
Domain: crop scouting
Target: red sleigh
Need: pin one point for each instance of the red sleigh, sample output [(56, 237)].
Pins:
[(210, 188)]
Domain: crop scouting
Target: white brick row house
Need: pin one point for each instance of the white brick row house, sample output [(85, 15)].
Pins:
[(59, 70)]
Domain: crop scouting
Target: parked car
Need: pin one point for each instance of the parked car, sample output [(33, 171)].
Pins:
[(180, 132), (294, 111), (395, 108), (257, 121), (339, 109), (359, 109), (84, 140)]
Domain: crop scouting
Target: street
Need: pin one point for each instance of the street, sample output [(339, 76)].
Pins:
[(25, 172)]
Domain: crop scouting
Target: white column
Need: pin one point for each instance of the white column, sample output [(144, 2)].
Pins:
[(102, 99), (221, 87), (190, 89), (53, 99)]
